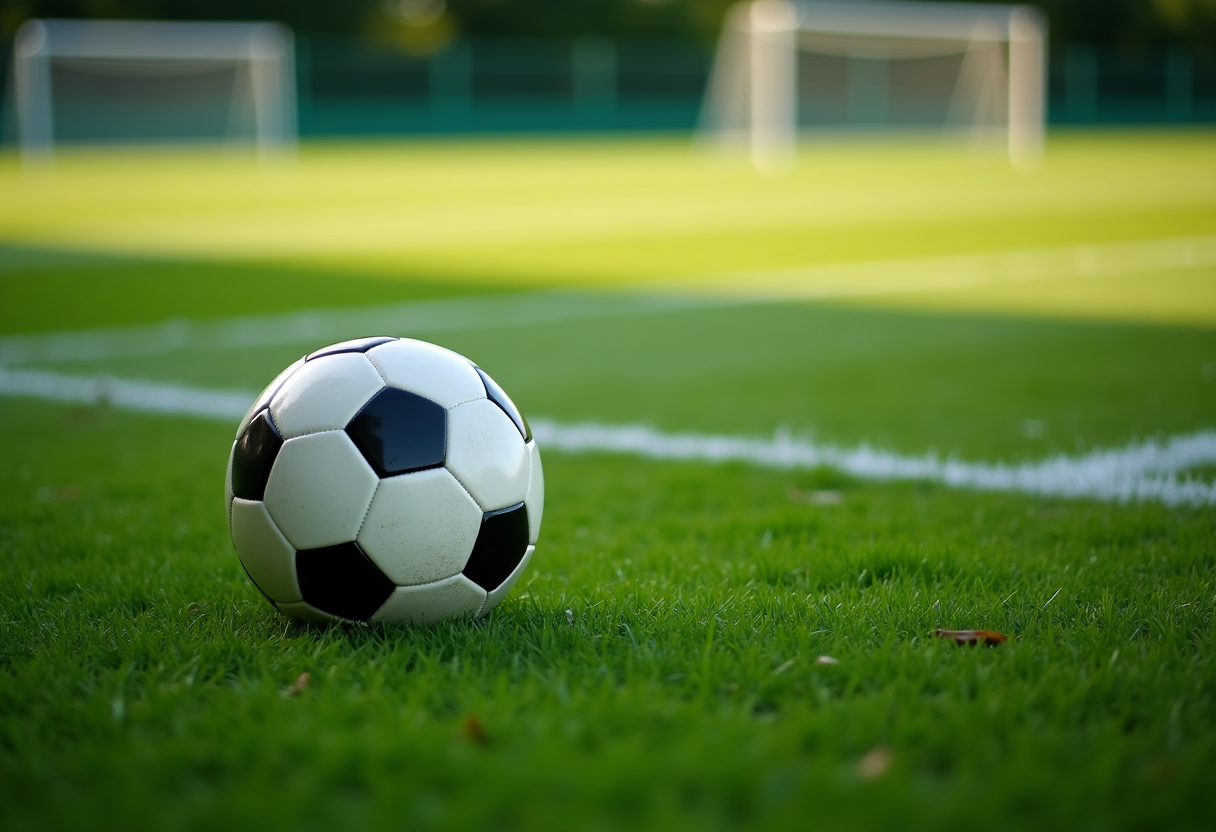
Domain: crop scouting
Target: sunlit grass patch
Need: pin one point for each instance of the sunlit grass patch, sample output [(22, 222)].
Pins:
[(637, 213)]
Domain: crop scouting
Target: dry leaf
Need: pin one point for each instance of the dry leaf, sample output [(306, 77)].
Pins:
[(875, 763), (299, 686), (474, 731), (988, 638), (46, 494), (822, 497)]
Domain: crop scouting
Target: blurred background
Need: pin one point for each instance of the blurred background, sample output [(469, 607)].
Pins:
[(418, 67)]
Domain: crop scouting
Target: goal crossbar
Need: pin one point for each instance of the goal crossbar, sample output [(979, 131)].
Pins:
[(961, 21)]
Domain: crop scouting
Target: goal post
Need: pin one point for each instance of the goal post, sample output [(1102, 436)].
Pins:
[(785, 66), (154, 81)]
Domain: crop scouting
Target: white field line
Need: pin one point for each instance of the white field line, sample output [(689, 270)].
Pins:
[(1148, 470), (859, 279), (926, 274), (125, 394), (1139, 471), (318, 327)]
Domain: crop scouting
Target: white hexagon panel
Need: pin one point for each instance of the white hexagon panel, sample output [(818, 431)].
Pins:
[(535, 499), (452, 597), (303, 611), (324, 394), (228, 495), (319, 489), (421, 527), (445, 377), (263, 400), (266, 555), (486, 454)]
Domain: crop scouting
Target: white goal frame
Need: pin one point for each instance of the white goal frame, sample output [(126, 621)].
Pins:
[(265, 49), (753, 91)]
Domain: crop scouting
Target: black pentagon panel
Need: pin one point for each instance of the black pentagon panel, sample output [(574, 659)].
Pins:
[(342, 581), (254, 456), (399, 432), (499, 396), (501, 545), (355, 345)]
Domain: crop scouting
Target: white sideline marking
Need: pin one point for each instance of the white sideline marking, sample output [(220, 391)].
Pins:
[(142, 396), (1139, 471), (926, 274), (317, 327)]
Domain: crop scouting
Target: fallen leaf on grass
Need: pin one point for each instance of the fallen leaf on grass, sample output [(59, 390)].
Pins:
[(988, 638), (822, 497), (474, 731), (875, 763), (299, 686), (64, 493)]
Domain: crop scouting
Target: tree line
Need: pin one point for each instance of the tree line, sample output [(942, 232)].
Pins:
[(1124, 24)]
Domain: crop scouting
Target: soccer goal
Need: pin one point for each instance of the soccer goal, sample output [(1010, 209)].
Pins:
[(100, 82), (790, 66)]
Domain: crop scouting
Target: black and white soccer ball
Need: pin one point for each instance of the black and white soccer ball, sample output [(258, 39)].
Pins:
[(384, 480)]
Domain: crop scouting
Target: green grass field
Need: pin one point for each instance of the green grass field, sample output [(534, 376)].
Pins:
[(696, 645)]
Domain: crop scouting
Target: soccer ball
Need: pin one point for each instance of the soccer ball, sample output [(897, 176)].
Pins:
[(384, 480)]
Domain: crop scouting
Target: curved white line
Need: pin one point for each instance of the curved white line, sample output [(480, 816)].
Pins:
[(830, 280), (318, 326)]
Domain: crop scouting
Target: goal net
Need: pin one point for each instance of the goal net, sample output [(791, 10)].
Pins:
[(790, 66), (77, 81)]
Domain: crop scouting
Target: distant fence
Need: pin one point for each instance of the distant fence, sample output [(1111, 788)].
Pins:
[(349, 87), (596, 84), (1102, 86), (487, 86)]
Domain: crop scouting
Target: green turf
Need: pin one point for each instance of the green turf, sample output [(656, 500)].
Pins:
[(913, 382), (46, 289), (626, 212), (658, 666)]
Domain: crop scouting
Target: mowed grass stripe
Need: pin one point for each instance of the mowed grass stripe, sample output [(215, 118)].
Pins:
[(1151, 269), (1140, 471), (399, 198), (624, 214), (977, 388), (893, 278)]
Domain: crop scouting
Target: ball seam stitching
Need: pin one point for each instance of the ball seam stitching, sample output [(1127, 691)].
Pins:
[(362, 520), (287, 439), (376, 367)]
